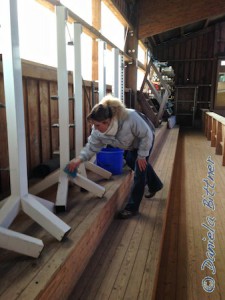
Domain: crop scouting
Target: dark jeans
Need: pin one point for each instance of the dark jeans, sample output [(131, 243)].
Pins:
[(141, 178)]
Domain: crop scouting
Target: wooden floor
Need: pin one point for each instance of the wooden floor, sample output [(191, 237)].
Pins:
[(121, 267)]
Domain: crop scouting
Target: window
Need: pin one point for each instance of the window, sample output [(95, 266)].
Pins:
[(141, 54), (38, 42), (81, 8), (37, 33), (111, 25)]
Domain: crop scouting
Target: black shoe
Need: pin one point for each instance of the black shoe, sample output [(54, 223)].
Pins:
[(126, 214), (152, 194)]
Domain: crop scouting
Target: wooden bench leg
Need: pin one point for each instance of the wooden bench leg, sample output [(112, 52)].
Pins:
[(213, 133), (219, 138), (223, 144), (209, 128)]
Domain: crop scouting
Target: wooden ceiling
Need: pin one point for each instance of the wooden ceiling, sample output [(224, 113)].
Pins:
[(163, 20)]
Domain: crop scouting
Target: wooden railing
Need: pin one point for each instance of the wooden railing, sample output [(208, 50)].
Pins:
[(215, 132)]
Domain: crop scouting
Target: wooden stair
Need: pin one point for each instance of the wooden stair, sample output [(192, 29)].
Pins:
[(55, 273), (127, 262)]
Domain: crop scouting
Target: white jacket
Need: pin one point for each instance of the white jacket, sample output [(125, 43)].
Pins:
[(133, 133)]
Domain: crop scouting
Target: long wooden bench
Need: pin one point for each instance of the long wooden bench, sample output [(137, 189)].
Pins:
[(215, 132), (126, 264), (54, 274)]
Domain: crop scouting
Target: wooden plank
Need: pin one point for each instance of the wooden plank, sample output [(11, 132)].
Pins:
[(54, 111), (33, 121), (86, 285)]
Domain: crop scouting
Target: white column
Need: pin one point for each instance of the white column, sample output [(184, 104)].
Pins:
[(101, 70)]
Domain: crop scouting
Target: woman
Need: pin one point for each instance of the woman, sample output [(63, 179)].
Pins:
[(117, 126)]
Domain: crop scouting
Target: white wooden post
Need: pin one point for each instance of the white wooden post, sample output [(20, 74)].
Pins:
[(19, 199), (101, 70), (78, 93), (63, 102), (115, 85)]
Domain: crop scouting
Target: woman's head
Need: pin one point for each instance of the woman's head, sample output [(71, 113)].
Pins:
[(100, 113), (103, 112)]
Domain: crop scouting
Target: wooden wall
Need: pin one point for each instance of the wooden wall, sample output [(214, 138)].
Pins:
[(194, 59), (41, 112)]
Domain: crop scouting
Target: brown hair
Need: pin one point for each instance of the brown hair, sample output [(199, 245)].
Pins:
[(100, 113), (108, 108)]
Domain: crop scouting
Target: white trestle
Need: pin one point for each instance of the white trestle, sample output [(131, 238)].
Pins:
[(20, 199)]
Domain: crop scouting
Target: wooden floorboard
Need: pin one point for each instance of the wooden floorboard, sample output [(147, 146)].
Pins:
[(185, 246)]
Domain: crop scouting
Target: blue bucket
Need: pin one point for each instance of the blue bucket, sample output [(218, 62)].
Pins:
[(110, 159)]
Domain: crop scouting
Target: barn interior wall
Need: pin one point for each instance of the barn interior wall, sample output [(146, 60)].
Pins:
[(194, 59)]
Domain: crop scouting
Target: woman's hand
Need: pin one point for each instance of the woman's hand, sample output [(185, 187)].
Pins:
[(74, 164), (142, 163)]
